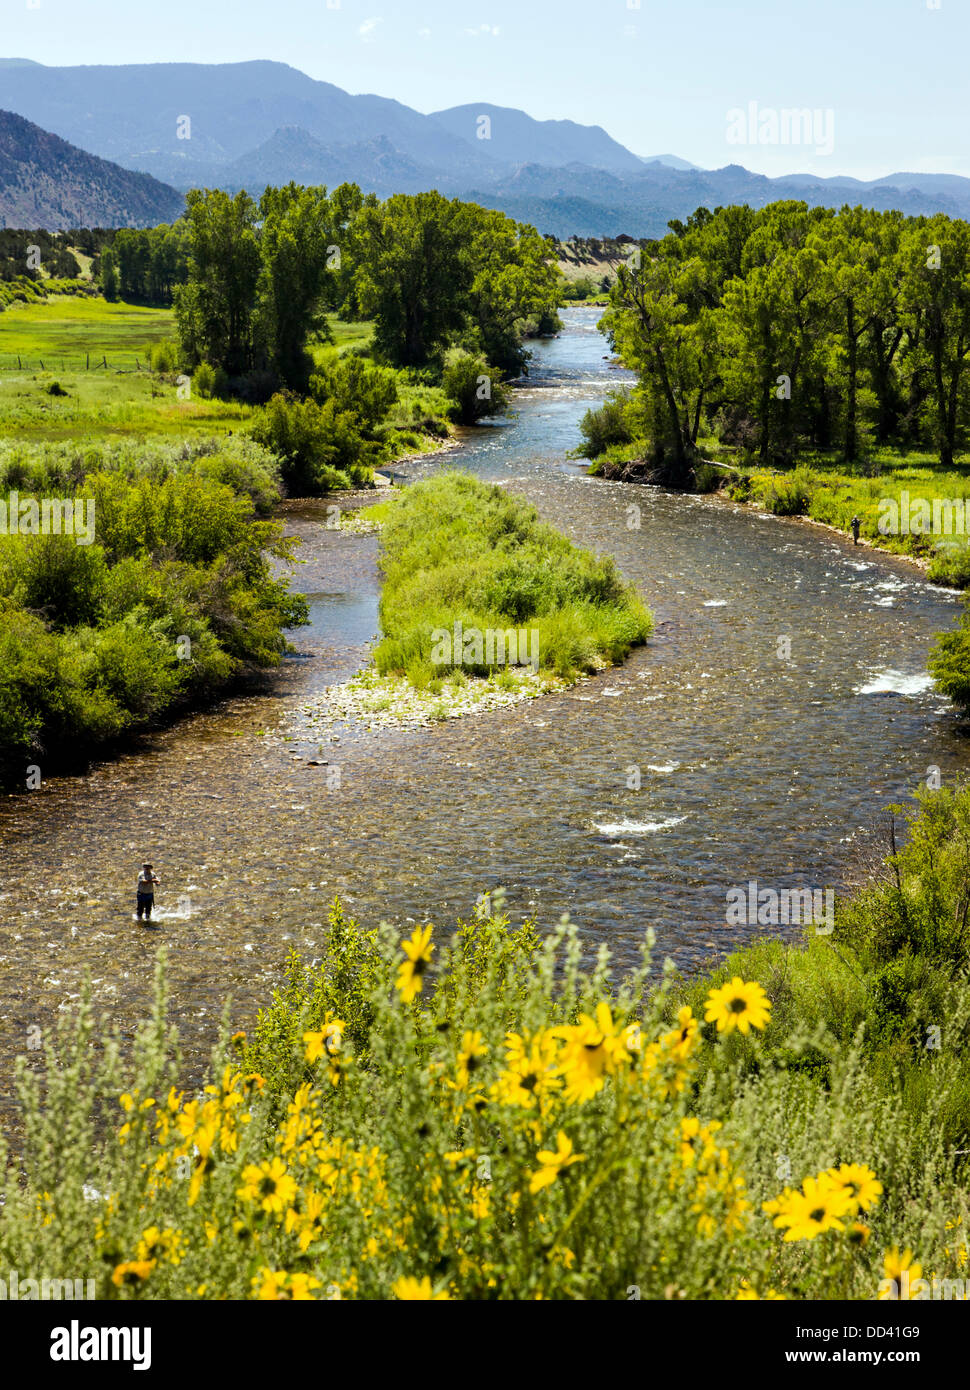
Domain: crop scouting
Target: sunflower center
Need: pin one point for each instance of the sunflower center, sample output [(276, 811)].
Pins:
[(817, 1215), (737, 1005)]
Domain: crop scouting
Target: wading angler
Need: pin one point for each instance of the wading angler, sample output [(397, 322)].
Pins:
[(51, 516)]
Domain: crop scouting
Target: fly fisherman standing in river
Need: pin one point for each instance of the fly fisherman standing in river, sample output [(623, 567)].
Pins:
[(146, 891)]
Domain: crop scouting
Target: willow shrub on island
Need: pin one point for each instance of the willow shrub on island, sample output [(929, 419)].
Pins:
[(480, 1118), (459, 551)]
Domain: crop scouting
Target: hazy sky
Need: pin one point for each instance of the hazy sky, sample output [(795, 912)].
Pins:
[(888, 78)]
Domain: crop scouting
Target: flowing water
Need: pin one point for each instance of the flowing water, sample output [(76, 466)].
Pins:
[(751, 765)]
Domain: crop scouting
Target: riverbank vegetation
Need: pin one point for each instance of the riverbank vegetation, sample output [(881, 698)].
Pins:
[(472, 1115), (810, 361), (457, 550), (452, 291), (160, 595), (342, 332), (790, 329), (483, 604)]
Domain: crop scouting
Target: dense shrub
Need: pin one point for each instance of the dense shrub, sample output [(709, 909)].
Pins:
[(165, 358), (606, 427), (473, 386), (174, 597), (455, 549), (790, 496), (320, 447)]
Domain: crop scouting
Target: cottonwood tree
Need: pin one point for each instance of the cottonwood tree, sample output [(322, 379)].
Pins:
[(216, 310)]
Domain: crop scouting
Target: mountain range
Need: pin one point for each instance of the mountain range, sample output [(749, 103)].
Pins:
[(243, 125), (46, 182)]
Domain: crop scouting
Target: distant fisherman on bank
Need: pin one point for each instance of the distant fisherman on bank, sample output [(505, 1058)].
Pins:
[(855, 523)]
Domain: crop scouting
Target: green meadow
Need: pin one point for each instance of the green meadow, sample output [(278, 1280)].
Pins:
[(63, 344), (67, 329)]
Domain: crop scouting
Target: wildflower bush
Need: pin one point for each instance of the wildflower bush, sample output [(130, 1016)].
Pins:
[(480, 1116)]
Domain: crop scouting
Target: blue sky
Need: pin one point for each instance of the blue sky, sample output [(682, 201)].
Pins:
[(889, 76)]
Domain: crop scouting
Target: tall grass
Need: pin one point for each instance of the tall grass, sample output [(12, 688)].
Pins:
[(458, 550)]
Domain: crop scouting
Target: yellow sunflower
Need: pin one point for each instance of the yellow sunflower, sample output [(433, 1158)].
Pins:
[(417, 1290), (900, 1268), (592, 1048), (269, 1184), (552, 1162), (470, 1054), (530, 1071), (328, 1040), (740, 1004), (860, 1183), (133, 1272), (817, 1208), (410, 975)]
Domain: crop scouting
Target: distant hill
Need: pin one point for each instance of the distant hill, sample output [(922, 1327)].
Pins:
[(243, 125), (47, 183), (578, 201), (515, 138), (674, 160), (131, 114)]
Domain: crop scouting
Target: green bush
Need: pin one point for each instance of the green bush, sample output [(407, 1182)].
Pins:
[(474, 388), (165, 358), (790, 496), (949, 664), (950, 565), (320, 447), (204, 380), (175, 598), (455, 549), (606, 428)]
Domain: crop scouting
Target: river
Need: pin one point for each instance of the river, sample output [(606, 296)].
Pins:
[(751, 765)]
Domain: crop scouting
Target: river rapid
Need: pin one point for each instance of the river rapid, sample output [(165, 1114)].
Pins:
[(750, 765)]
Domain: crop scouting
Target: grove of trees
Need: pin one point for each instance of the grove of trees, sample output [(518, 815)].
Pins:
[(790, 329), (433, 273)]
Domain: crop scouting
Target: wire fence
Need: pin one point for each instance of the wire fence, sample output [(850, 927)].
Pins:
[(91, 362)]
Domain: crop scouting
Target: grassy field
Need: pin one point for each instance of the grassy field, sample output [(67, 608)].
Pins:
[(66, 341), (67, 330)]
